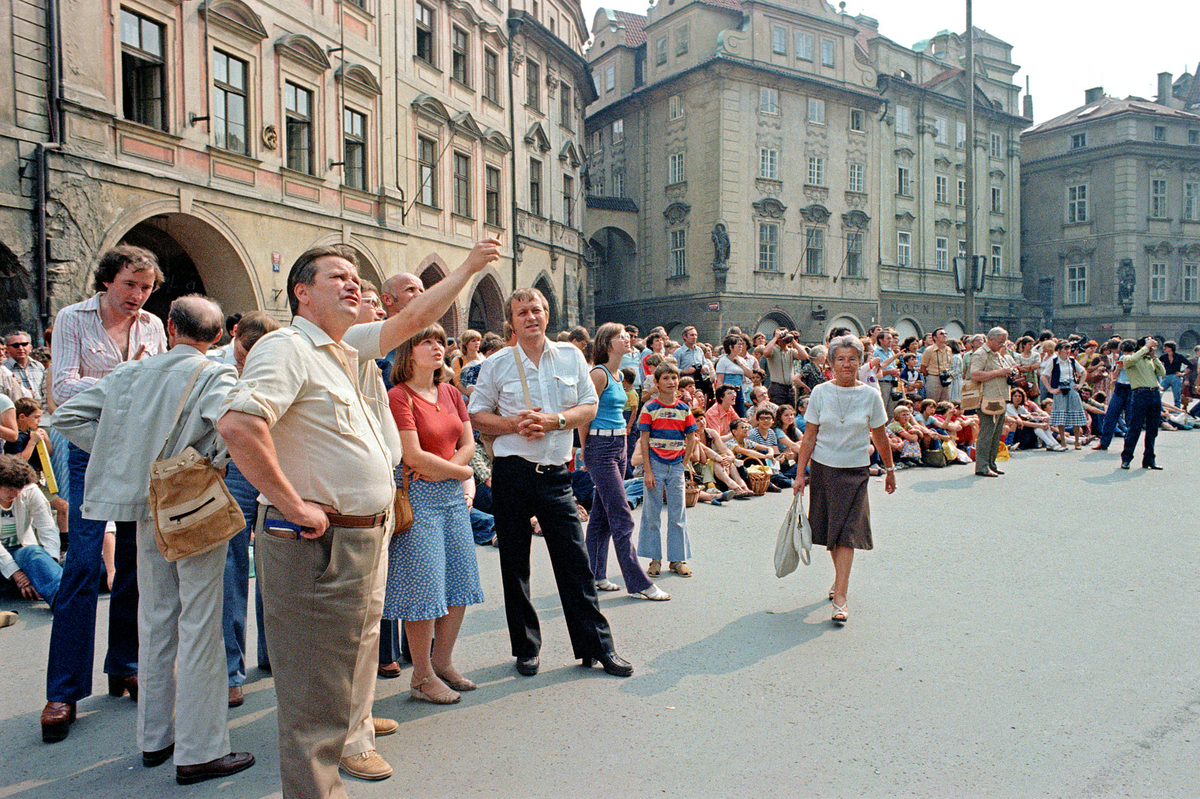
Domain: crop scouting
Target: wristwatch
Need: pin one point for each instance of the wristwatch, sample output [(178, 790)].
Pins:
[(562, 421)]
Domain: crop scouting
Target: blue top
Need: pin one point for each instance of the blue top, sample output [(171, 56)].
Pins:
[(610, 412)]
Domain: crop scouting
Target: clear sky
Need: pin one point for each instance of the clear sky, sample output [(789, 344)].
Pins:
[(1063, 46)]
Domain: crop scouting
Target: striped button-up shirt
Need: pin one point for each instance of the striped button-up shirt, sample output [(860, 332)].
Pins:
[(82, 352)]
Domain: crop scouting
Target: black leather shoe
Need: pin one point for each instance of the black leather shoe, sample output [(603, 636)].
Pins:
[(232, 763), (528, 666), (152, 759), (1152, 466), (119, 685), (1125, 465), (613, 664)]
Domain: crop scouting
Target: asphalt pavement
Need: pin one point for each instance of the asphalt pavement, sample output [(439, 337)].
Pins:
[(1027, 636)]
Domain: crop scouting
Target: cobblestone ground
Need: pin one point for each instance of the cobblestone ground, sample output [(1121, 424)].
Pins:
[(1033, 636)]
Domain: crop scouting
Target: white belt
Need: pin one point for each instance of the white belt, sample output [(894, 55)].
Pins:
[(620, 431)]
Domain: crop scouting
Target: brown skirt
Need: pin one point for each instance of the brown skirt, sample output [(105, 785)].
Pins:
[(837, 506)]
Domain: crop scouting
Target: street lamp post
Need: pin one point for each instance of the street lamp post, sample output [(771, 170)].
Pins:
[(968, 286)]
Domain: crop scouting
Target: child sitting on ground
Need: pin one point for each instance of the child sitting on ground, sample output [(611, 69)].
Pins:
[(29, 417), (29, 540), (904, 427)]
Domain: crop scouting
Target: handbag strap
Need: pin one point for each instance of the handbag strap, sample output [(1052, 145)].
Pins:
[(187, 392), (521, 372)]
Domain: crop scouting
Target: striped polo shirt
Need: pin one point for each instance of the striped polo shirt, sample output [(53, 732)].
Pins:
[(668, 426)]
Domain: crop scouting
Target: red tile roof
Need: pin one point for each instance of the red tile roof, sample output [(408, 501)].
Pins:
[(635, 27), (731, 5)]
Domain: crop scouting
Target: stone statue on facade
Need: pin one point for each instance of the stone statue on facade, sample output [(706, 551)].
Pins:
[(1126, 282), (720, 240)]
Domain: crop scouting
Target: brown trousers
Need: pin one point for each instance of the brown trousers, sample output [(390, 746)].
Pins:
[(318, 597)]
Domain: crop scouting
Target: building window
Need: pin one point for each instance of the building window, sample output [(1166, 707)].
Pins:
[(1158, 198), (1194, 137), (674, 106), (857, 182), (816, 170), (675, 171), (678, 253), (610, 78), (939, 127), (533, 74), (778, 40), (941, 253), (997, 146), (814, 251), (962, 194), (425, 33), (492, 197), (997, 204), (857, 121), (1191, 282), (491, 76), (460, 63), (962, 248), (143, 70), (618, 183), (854, 247), (804, 46), (568, 201), (768, 247), (535, 187), (960, 136), (997, 258), (1191, 202), (660, 51), (768, 163), (1160, 133), (618, 131), (297, 106), (1077, 210), (904, 248), (427, 172), (462, 185), (1076, 293), (1078, 140), (354, 134), (903, 181), (941, 189), (827, 53), (768, 100), (1158, 282), (681, 40), (566, 108), (903, 120), (229, 103), (816, 111)]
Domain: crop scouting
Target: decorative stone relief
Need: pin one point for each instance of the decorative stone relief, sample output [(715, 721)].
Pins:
[(676, 212), (815, 214), (1162, 249), (768, 187), (770, 208), (816, 194), (856, 219), (856, 200)]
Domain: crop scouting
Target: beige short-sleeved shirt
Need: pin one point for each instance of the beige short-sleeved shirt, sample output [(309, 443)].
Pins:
[(936, 360), (329, 442)]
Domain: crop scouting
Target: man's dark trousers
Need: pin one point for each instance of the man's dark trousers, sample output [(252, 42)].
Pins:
[(1146, 412), (1117, 405), (545, 492)]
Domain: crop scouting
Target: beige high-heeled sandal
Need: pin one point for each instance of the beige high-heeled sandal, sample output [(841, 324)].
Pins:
[(447, 697)]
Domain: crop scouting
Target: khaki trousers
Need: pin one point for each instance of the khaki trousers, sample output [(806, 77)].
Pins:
[(361, 735), (183, 686), (987, 445), (318, 596)]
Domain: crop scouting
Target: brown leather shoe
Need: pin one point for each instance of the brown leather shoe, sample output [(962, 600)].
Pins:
[(158, 756), (384, 726), (366, 766), (389, 671), (57, 718), (119, 684), (226, 766), (236, 697)]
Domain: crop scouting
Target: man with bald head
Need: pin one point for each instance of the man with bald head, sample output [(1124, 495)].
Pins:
[(397, 292), (136, 415)]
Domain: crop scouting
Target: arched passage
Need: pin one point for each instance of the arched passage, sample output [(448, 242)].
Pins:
[(1187, 340), (195, 257), (14, 286), (487, 306), (772, 321), (615, 259), (907, 327), (855, 326), (954, 329), (543, 285)]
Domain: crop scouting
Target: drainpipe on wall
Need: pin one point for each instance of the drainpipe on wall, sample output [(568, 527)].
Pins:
[(514, 27), (54, 114)]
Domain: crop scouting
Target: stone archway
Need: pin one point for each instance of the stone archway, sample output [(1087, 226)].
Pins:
[(615, 260), (846, 320), (15, 290), (486, 311), (544, 285), (907, 327), (772, 321), (431, 270)]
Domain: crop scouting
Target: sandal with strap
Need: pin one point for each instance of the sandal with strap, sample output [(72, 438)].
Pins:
[(680, 567), (655, 593), (839, 614), (655, 568), (607, 585), (459, 683), (447, 697)]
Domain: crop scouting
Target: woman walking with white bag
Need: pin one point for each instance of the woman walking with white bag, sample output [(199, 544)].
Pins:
[(843, 418)]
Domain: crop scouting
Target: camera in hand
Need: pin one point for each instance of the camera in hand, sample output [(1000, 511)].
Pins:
[(946, 378)]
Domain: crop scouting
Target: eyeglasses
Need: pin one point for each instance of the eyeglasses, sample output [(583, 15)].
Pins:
[(20, 344)]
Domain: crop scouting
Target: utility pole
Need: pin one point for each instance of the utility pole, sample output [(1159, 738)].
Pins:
[(969, 294)]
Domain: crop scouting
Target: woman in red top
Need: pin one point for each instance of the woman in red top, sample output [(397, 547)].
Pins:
[(432, 573)]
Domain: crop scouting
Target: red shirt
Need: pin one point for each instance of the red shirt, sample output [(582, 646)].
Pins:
[(438, 426)]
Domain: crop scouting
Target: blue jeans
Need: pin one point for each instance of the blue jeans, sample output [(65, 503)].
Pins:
[(1118, 405), (73, 634), (635, 491), (668, 478), (1175, 383), (1146, 412), (237, 583), (483, 527), (41, 569)]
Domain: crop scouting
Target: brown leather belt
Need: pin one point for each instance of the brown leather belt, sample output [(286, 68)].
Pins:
[(338, 520)]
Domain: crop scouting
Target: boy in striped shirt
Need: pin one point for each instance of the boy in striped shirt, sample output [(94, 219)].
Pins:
[(667, 430)]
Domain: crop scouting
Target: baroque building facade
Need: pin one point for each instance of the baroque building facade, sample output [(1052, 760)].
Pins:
[(1112, 215), (744, 159), (229, 136)]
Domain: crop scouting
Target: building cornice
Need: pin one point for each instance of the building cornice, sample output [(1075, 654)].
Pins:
[(528, 26), (889, 82), (1088, 155)]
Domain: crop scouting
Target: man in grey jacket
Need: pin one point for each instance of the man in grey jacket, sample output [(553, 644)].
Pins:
[(123, 421)]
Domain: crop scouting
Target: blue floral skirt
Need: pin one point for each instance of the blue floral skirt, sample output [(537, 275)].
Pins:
[(432, 565)]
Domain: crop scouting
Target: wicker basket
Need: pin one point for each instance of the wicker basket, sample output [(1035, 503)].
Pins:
[(759, 482), (691, 493)]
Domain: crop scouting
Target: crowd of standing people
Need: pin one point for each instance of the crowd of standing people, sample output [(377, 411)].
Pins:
[(363, 410)]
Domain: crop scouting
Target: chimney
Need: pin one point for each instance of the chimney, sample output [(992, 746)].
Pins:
[(1092, 95), (867, 22), (1027, 104), (1164, 88)]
